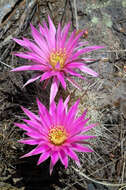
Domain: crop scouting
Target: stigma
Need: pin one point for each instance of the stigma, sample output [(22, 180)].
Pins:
[(56, 57), (57, 135)]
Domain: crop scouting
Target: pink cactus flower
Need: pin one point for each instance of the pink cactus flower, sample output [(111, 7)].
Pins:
[(58, 133), (54, 55)]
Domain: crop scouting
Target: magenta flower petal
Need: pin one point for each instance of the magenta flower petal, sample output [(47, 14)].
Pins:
[(39, 149), (73, 65), (30, 68), (57, 133), (60, 106), (57, 67), (32, 80), (72, 112), (54, 159), (88, 70), (20, 42), (30, 141), (47, 75), (78, 127), (34, 134), (32, 47), (79, 138), (80, 148), (70, 40), (64, 158), (52, 108), (74, 83), (83, 115), (75, 74), (39, 40), (64, 34), (34, 125), (23, 126), (85, 50), (73, 155), (52, 31), (30, 56), (44, 157), (59, 44), (30, 114), (54, 89), (60, 110), (51, 26), (55, 54), (87, 128), (46, 120), (71, 45), (60, 76)]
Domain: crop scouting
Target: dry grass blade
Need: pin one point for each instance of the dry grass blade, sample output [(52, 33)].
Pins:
[(5, 64)]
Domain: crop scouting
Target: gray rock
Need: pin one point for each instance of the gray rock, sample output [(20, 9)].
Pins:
[(5, 7)]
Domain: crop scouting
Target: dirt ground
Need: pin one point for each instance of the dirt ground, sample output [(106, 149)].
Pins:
[(105, 97)]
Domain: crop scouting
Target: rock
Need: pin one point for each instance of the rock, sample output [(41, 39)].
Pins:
[(92, 186), (5, 7)]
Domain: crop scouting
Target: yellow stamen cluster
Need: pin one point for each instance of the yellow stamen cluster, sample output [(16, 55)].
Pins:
[(57, 135), (58, 56)]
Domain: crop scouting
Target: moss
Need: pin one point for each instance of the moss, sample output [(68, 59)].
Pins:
[(107, 20), (97, 5), (95, 20), (124, 3)]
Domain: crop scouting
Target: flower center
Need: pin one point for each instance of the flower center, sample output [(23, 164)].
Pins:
[(58, 57), (57, 135)]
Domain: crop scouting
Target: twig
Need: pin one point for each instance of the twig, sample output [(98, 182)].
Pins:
[(71, 9), (23, 22), (76, 17), (113, 162), (38, 10), (110, 51), (20, 4), (63, 11), (99, 182), (123, 169), (122, 187)]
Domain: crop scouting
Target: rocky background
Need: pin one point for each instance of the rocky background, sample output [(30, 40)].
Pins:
[(105, 97)]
